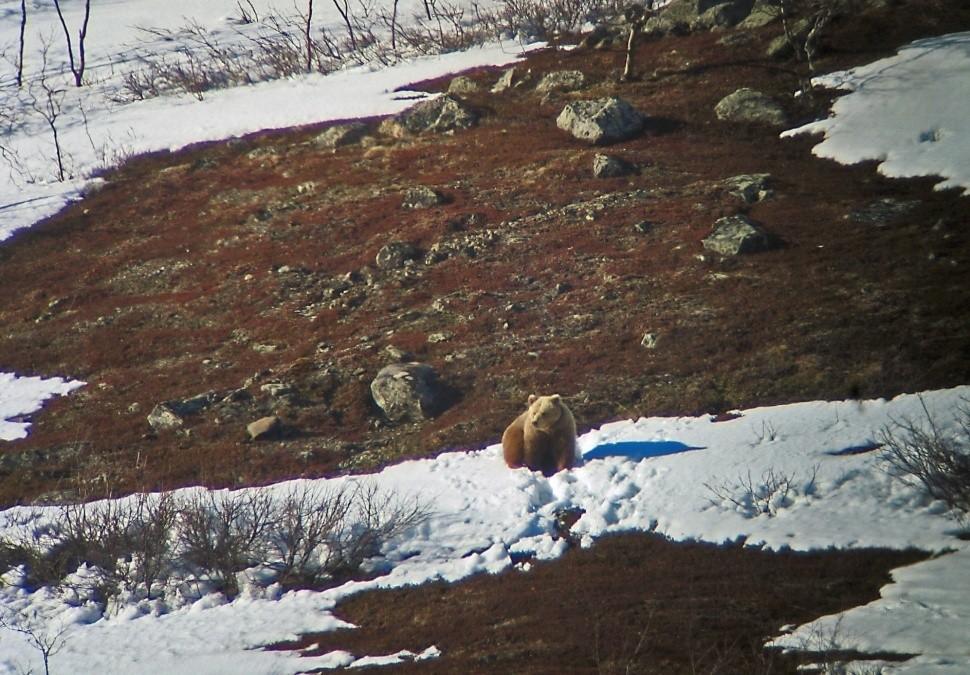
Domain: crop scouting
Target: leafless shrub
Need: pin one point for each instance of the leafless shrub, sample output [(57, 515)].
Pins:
[(299, 539), (375, 518), (222, 534), (47, 637), (765, 496), (546, 18), (919, 453), (312, 537)]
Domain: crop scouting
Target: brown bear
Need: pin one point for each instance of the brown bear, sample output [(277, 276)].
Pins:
[(543, 438)]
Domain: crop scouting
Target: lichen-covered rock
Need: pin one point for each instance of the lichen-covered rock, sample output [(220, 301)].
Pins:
[(608, 166), (735, 235), (506, 81), (601, 121), (265, 428), (422, 197), (462, 85), (561, 80), (171, 414), (395, 255), (408, 392), (750, 188), (749, 105), (444, 114), (340, 135)]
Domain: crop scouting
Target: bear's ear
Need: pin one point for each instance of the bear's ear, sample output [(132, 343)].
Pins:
[(555, 398), (532, 398)]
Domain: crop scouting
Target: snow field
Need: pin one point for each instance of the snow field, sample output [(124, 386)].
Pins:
[(482, 512), (908, 112)]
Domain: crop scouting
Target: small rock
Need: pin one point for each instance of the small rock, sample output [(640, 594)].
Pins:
[(408, 392), (749, 187), (396, 353), (504, 82), (444, 114), (395, 255), (163, 418), (171, 414), (608, 166), (735, 235), (561, 80), (882, 212), (748, 105), (723, 15), (762, 13), (340, 135), (443, 336), (277, 389), (601, 121), (649, 341), (265, 428), (422, 197), (462, 85), (781, 47)]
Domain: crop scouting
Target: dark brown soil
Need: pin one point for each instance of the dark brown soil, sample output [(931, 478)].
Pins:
[(218, 269), (631, 604)]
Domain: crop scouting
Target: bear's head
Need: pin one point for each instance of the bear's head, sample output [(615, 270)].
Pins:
[(545, 411)]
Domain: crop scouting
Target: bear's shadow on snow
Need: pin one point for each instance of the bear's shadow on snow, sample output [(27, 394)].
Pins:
[(638, 449)]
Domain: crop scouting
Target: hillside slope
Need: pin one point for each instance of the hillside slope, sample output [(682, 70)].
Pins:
[(247, 268)]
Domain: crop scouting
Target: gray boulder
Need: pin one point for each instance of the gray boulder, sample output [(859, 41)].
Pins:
[(608, 166), (462, 85), (506, 81), (762, 13), (735, 235), (722, 15), (408, 392), (171, 414), (422, 197), (780, 47), (561, 80), (265, 428), (395, 255), (750, 188), (445, 114), (749, 105), (700, 14), (601, 121), (340, 135), (883, 212)]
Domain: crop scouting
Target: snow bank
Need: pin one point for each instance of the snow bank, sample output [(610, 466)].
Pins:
[(483, 512), (23, 395), (908, 112)]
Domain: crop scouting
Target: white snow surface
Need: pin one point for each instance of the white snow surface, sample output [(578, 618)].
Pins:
[(908, 112), (23, 395), (482, 512)]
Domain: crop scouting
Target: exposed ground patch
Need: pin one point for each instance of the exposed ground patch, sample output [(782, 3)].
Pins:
[(631, 604)]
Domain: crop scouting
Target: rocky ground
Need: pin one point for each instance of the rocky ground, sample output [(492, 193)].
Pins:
[(275, 276)]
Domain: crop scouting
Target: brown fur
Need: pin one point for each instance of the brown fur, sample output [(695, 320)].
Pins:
[(543, 438)]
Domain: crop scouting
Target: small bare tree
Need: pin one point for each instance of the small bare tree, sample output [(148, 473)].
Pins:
[(48, 640), (77, 65), (20, 52)]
